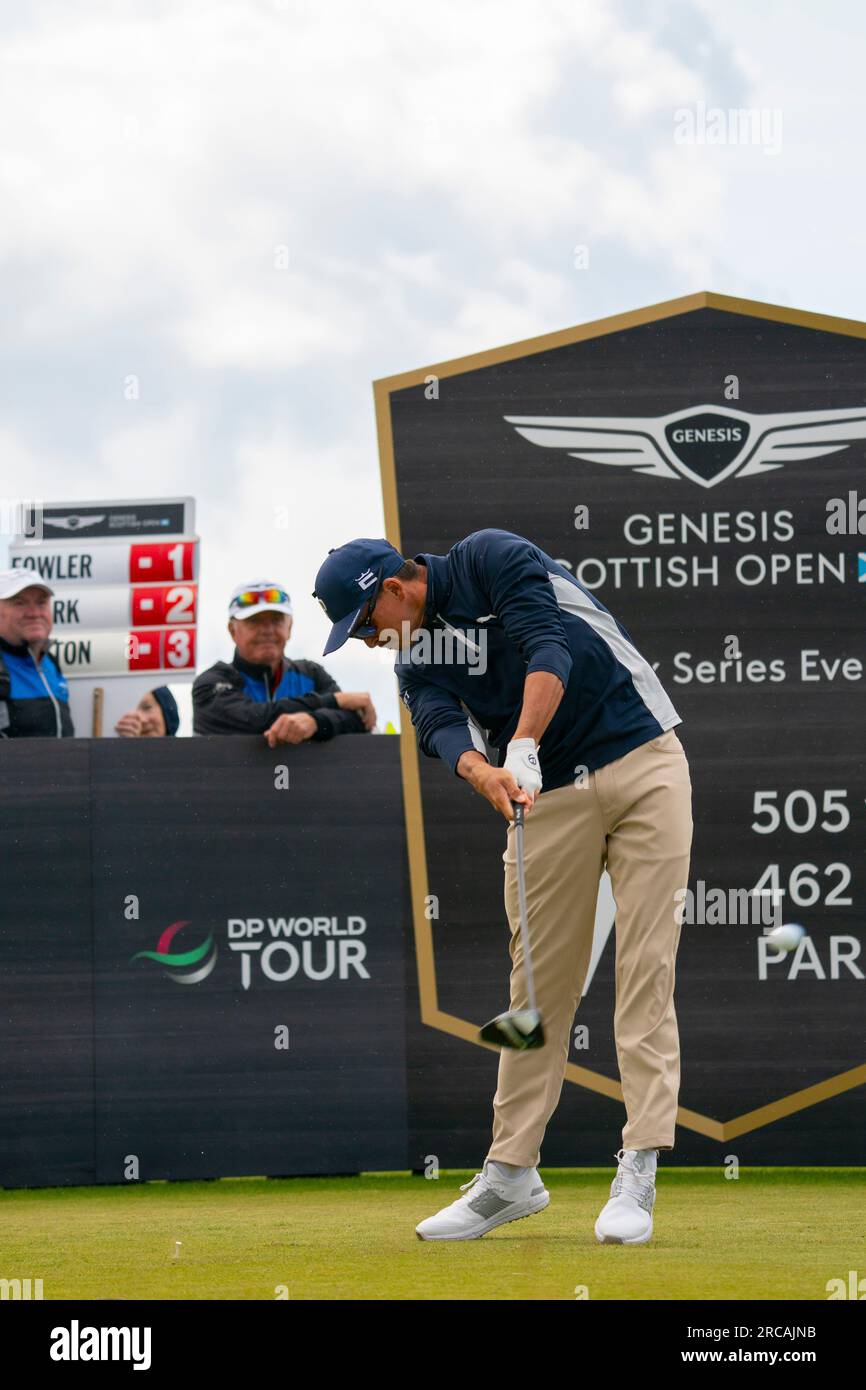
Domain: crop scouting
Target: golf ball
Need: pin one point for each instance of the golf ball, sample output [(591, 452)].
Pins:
[(787, 936)]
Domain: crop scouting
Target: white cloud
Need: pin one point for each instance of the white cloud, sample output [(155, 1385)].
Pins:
[(430, 170), (166, 155)]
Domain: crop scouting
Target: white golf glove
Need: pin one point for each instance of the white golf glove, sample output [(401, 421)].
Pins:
[(522, 762)]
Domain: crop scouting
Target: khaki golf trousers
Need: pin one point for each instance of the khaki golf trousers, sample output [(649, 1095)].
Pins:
[(634, 816)]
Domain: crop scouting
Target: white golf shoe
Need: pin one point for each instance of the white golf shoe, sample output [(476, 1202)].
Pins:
[(490, 1201), (627, 1217)]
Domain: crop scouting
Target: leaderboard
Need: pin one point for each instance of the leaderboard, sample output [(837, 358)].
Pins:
[(125, 599)]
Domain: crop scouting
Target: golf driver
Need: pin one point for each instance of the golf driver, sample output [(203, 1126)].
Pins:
[(521, 1028)]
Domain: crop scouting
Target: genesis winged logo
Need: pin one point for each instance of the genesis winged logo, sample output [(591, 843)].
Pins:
[(164, 956), (704, 444), (73, 522)]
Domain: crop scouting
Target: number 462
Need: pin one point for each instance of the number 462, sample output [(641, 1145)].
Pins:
[(803, 886)]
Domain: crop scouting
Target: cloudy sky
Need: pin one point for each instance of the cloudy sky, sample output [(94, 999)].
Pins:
[(257, 207)]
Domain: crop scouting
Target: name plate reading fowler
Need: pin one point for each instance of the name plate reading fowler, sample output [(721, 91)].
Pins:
[(107, 562)]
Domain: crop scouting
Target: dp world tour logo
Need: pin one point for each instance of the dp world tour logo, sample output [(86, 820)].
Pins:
[(704, 444), (184, 959)]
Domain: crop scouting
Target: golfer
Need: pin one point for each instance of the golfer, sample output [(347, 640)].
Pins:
[(548, 676)]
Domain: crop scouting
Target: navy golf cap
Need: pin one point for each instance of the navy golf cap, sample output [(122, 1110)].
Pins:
[(349, 578)]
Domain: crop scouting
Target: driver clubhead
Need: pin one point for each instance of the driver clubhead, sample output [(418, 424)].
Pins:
[(520, 1029)]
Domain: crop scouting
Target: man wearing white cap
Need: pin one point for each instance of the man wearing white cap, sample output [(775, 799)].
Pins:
[(261, 691), (34, 697)]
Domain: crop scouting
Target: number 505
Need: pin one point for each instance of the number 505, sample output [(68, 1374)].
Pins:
[(800, 812)]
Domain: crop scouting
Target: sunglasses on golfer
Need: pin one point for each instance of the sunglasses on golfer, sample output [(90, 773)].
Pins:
[(363, 625), (250, 597)]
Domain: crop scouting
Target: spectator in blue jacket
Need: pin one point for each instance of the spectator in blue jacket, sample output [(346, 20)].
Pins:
[(34, 697)]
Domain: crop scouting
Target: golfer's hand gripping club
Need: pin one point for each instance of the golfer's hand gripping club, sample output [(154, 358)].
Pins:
[(521, 760)]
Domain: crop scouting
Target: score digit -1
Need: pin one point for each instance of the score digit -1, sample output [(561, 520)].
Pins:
[(162, 562)]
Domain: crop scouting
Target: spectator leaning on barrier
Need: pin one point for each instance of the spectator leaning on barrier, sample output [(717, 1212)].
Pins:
[(155, 716), (261, 691), (34, 697)]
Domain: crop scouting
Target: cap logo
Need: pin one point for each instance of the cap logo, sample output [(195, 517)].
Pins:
[(366, 579)]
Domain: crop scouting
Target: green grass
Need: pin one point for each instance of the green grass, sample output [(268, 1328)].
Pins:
[(774, 1233)]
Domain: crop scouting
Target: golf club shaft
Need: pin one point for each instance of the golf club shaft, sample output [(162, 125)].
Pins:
[(521, 899)]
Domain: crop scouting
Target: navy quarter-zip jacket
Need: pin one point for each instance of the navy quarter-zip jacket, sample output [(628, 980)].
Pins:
[(239, 697), (523, 612)]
